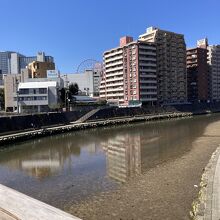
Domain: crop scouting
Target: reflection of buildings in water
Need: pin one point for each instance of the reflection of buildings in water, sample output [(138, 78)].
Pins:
[(47, 157), (93, 148), (43, 164), (43, 159), (40, 164), (123, 155), (40, 168)]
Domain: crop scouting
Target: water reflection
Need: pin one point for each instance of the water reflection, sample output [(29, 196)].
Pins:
[(69, 167), (123, 155), (41, 159), (128, 150)]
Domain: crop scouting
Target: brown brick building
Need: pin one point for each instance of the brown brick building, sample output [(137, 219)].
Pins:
[(198, 73), (38, 69)]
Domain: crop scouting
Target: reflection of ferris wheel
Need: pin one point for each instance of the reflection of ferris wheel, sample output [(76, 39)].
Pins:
[(89, 64)]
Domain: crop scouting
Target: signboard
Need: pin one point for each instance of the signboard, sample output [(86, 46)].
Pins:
[(52, 73)]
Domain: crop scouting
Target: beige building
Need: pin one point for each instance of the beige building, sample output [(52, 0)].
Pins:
[(38, 69), (214, 63), (171, 64), (11, 82)]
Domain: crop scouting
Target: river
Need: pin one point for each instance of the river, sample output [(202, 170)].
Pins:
[(72, 168)]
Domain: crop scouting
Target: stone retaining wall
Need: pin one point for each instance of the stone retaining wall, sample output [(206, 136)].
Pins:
[(7, 139), (12, 124)]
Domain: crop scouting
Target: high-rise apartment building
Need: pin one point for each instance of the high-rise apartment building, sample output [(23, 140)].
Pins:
[(198, 73), (171, 64), (130, 73), (214, 63)]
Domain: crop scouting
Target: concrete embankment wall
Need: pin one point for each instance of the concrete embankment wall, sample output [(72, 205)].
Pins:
[(17, 123), (12, 124), (18, 128), (196, 109), (7, 139), (110, 113)]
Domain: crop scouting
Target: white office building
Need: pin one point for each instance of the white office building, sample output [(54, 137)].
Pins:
[(38, 96), (88, 81)]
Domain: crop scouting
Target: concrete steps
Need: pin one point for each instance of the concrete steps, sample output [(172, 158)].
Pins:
[(87, 116)]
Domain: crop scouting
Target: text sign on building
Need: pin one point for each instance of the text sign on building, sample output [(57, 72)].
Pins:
[(52, 73)]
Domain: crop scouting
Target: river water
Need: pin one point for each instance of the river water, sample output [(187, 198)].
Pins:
[(68, 168)]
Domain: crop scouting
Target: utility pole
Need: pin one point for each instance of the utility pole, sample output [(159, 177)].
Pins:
[(17, 95), (67, 98)]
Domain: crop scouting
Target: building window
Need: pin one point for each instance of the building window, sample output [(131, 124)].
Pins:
[(42, 91)]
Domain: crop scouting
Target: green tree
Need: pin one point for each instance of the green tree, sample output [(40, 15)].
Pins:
[(73, 89), (2, 99), (62, 95)]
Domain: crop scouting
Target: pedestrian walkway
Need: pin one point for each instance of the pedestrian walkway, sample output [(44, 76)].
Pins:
[(207, 206), (215, 198), (17, 206)]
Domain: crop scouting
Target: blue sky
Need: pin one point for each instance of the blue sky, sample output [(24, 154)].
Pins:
[(75, 30)]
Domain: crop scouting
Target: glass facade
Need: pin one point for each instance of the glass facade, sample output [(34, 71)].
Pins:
[(7, 61)]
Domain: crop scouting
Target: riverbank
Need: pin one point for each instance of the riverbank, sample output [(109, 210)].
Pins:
[(163, 192), (27, 135), (207, 205)]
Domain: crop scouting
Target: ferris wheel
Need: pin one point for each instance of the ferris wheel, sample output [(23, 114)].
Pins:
[(89, 64)]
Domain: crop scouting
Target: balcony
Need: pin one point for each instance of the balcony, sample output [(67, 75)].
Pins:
[(113, 53), (115, 84), (147, 53), (148, 93), (115, 79), (148, 87), (115, 89), (114, 69), (147, 59), (147, 64), (114, 74), (111, 64), (115, 95)]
